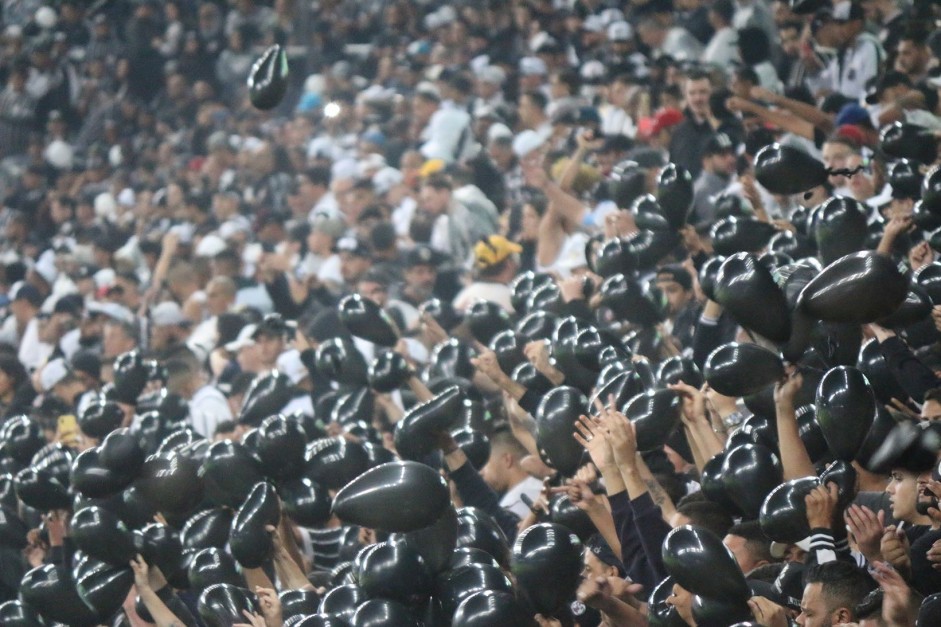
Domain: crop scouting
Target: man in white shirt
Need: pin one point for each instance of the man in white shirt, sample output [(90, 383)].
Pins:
[(858, 53), (722, 49), (208, 406), (495, 265), (503, 473)]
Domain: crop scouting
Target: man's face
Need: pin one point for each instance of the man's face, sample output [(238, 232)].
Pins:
[(494, 471), (594, 567), (903, 492), (911, 57), (830, 34), (676, 296), (376, 292), (814, 610), (433, 200), (835, 156), (420, 280), (353, 266), (723, 163), (931, 410), (790, 41), (697, 94), (269, 347), (249, 360), (926, 499)]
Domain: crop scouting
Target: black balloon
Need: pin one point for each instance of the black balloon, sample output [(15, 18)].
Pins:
[(12, 529), (334, 462), (654, 416), (840, 228), (659, 612), (39, 489), (749, 293), (787, 170), (642, 304), (435, 543), (699, 562), (100, 534), (383, 613), (651, 246), (858, 288), (873, 365), (100, 418), (212, 566), (810, 434), (562, 511), (719, 612), (794, 245), (268, 78), (307, 503), (678, 369), (222, 605), (555, 423), (476, 530), (16, 613), (475, 445), (229, 471), (491, 609), (398, 497), (882, 425), (281, 444), (750, 472), (457, 585), (160, 546), (417, 432), (21, 438), (296, 603), (171, 483), (208, 528), (342, 600), (392, 570), (547, 564), (707, 276), (130, 377), (250, 542), (388, 372), (451, 358), (783, 515), (915, 308), (675, 193), (121, 452), (50, 590), (846, 407), (741, 235), (365, 319), (615, 257), (267, 394), (485, 319), (735, 369), (101, 586), (908, 141), (91, 479), (338, 359)]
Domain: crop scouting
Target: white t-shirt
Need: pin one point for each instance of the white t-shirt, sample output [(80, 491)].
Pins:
[(530, 486), (208, 408), (480, 290)]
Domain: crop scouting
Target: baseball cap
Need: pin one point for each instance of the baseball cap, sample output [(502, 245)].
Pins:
[(665, 118), (422, 255), (845, 11), (527, 141), (71, 304), (244, 338), (494, 249), (333, 227), (718, 144), (29, 293), (354, 246), (53, 373), (111, 310), (533, 66), (167, 314), (87, 361), (492, 74), (851, 114), (597, 545), (272, 324)]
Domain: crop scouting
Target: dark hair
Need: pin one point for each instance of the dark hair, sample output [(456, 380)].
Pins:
[(226, 426), (12, 367), (766, 572), (318, 175), (382, 236), (698, 74), (800, 93), (843, 585), (438, 181), (706, 514), (753, 44), (934, 394), (725, 9), (746, 73), (539, 99), (756, 542), (570, 79), (870, 606)]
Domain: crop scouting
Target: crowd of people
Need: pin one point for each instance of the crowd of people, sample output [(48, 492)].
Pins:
[(570, 312)]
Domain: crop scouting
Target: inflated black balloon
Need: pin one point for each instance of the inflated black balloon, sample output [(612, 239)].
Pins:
[(915, 308), (707, 276), (748, 291), (210, 567), (659, 612), (268, 78), (508, 347), (844, 476), (840, 228), (398, 496), (39, 489), (21, 438), (469, 555), (846, 407), (91, 479), (130, 377), (451, 358), (383, 613), (250, 542), (485, 319), (882, 425), (160, 546), (365, 319), (556, 416), (334, 462), (171, 483), (638, 303), (321, 620), (50, 590), (525, 284), (12, 529), (654, 416), (296, 603), (281, 445), (475, 445), (489, 608), (872, 364), (8, 492), (457, 585), (783, 515), (56, 459), (536, 325), (15, 613), (178, 440), (267, 394), (910, 445), (615, 257), (547, 564), (101, 586), (222, 605), (931, 189), (563, 512), (342, 600), (435, 543), (858, 288), (741, 235), (650, 247), (121, 452), (306, 502), (736, 369), (100, 534), (794, 245), (229, 472), (339, 360), (388, 372), (679, 369), (392, 570), (477, 530), (100, 418), (648, 214), (417, 432), (697, 560), (719, 612), (787, 170), (675, 193), (750, 472), (208, 528), (810, 433), (908, 141), (929, 277)]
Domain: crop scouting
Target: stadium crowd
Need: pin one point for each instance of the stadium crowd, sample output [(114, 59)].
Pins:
[(537, 312)]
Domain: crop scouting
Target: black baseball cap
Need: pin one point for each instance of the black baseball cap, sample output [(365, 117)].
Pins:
[(422, 255)]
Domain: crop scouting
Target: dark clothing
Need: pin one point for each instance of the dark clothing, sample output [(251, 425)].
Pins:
[(633, 555), (476, 493), (688, 141), (710, 335)]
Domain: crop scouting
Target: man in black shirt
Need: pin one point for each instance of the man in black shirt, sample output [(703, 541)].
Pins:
[(691, 135)]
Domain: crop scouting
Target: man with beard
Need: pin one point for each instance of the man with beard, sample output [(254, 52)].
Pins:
[(421, 272)]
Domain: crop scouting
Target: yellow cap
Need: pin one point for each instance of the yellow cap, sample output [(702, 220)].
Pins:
[(430, 167), (494, 249)]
